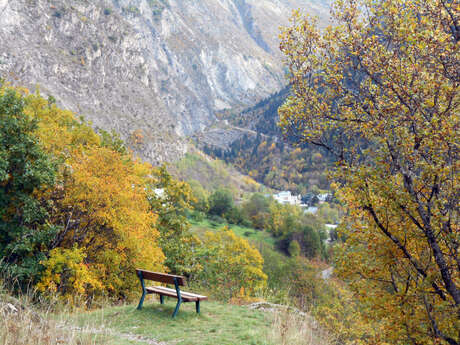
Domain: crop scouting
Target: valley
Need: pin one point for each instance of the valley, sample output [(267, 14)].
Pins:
[(293, 163)]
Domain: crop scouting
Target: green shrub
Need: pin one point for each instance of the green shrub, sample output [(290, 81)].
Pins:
[(294, 248), (200, 196), (25, 172), (197, 216), (220, 202), (216, 220), (246, 223), (235, 215)]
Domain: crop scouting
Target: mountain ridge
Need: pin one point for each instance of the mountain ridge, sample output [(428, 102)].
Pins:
[(152, 70)]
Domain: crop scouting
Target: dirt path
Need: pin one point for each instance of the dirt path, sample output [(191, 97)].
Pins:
[(112, 333)]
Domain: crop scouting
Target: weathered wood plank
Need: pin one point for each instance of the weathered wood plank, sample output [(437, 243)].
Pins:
[(161, 277)]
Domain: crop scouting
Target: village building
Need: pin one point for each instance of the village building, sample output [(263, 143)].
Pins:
[(286, 197)]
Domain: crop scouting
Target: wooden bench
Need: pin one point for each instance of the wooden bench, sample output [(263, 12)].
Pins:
[(181, 296)]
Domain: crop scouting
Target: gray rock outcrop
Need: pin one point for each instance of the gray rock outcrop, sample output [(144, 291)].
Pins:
[(152, 69)]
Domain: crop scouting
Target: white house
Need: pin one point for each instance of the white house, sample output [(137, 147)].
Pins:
[(286, 197), (322, 197)]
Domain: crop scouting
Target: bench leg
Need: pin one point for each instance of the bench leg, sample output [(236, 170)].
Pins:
[(177, 308), (141, 301), (197, 306), (162, 300)]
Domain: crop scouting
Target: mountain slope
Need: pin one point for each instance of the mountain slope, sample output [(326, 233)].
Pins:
[(153, 70), (252, 142)]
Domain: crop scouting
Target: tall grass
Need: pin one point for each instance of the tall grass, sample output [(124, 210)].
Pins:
[(291, 328), (26, 321)]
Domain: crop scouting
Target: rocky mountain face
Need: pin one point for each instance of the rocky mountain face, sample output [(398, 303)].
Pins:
[(155, 71)]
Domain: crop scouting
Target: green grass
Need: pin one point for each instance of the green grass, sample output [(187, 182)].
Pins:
[(253, 235), (221, 324)]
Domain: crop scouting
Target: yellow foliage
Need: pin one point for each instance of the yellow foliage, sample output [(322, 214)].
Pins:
[(68, 275), (253, 173), (101, 205), (59, 129), (250, 182), (378, 91), (115, 224), (233, 264), (342, 315)]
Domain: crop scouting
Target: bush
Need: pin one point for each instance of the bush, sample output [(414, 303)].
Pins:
[(220, 202), (67, 276), (246, 223), (200, 196), (260, 220), (197, 216), (231, 264), (216, 220), (294, 248), (234, 215)]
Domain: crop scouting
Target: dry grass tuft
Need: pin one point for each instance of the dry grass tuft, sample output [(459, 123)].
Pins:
[(291, 328)]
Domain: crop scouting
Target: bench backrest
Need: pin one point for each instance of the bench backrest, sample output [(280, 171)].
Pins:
[(160, 277)]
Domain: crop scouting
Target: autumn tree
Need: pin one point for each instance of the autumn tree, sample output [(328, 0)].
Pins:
[(257, 210), (200, 196), (98, 203), (231, 263), (102, 207), (170, 199), (25, 170), (294, 248), (380, 90)]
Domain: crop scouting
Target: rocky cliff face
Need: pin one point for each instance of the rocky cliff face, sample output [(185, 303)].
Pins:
[(153, 70)]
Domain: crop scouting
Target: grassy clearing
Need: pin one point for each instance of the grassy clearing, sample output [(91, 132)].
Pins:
[(24, 323), (218, 323), (253, 235)]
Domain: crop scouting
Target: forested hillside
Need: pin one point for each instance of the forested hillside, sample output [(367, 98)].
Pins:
[(258, 149)]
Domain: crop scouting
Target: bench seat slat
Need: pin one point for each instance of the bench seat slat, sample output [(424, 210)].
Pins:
[(183, 293), (186, 296)]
